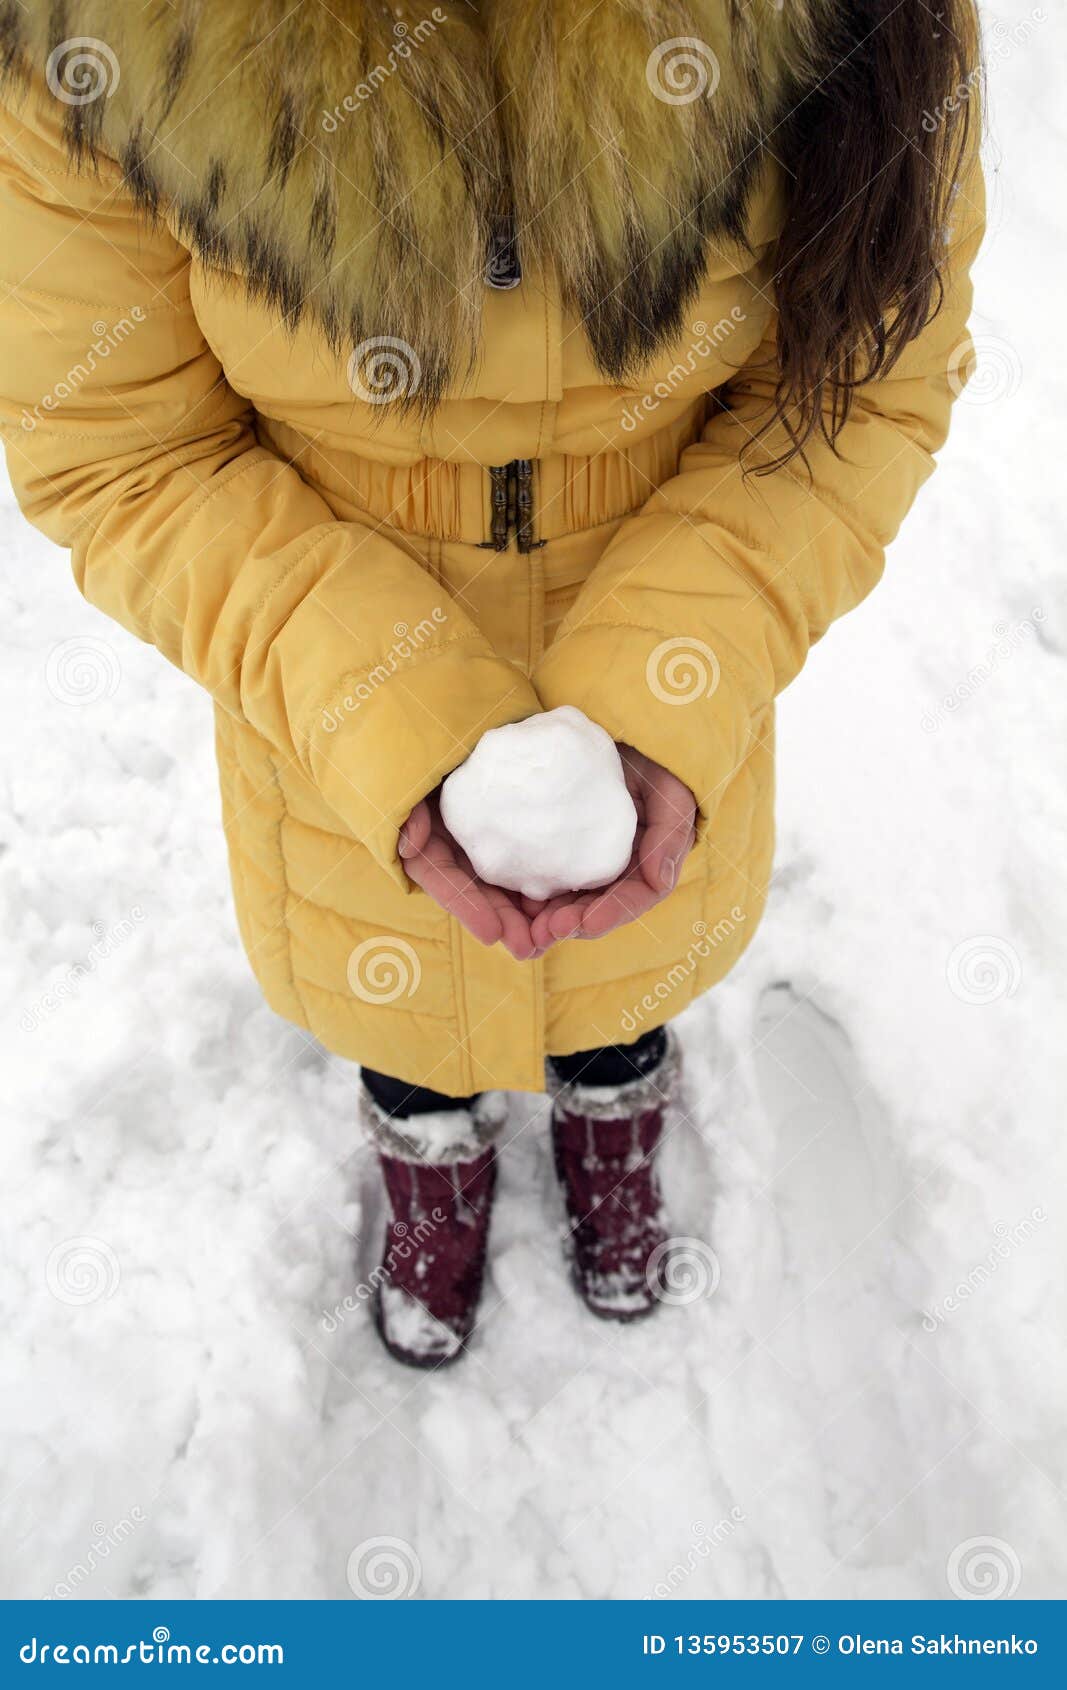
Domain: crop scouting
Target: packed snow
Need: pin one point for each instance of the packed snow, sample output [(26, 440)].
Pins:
[(861, 1394), (412, 1327), (541, 806)]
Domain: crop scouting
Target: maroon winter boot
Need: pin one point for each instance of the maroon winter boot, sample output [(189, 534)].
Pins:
[(605, 1140), (430, 1279)]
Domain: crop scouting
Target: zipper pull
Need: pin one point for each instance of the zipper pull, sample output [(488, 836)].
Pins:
[(503, 269)]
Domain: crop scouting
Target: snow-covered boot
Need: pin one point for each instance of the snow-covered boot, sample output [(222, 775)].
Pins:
[(605, 1140), (430, 1280), (431, 1274)]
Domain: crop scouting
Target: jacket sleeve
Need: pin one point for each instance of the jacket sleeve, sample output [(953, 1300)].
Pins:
[(712, 595), (126, 444)]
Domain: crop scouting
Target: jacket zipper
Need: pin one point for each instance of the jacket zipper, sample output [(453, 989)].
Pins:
[(511, 506)]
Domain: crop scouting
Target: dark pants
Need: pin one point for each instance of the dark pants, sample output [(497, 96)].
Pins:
[(613, 1065)]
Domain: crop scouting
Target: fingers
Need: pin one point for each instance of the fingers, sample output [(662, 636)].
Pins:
[(436, 870), (435, 863), (527, 927), (664, 836), (669, 831), (560, 918), (515, 927), (531, 906), (415, 831), (515, 933), (628, 900)]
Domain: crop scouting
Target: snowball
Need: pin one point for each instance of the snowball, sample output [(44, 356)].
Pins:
[(541, 807)]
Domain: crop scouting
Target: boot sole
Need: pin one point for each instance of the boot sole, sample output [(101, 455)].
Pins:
[(625, 1317), (620, 1317)]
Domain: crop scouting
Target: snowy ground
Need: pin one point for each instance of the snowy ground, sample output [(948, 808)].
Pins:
[(872, 1140)]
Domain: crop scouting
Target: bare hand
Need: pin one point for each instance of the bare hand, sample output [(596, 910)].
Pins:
[(666, 828), (435, 862)]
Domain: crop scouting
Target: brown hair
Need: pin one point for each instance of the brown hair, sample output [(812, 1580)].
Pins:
[(873, 156)]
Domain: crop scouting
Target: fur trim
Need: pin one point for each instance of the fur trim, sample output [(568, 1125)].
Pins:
[(441, 1139), (353, 161), (620, 1103), (634, 133)]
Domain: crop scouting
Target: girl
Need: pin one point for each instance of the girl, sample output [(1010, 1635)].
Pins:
[(401, 372)]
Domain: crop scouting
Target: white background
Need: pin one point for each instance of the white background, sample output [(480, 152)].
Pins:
[(874, 1107)]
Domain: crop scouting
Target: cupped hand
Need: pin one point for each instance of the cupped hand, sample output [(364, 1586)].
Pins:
[(666, 828), (434, 861)]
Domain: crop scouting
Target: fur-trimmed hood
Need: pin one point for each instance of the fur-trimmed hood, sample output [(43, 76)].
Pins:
[(355, 162)]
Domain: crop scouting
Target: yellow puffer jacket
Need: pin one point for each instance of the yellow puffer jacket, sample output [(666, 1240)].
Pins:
[(232, 491)]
